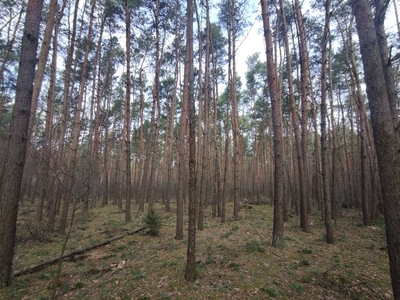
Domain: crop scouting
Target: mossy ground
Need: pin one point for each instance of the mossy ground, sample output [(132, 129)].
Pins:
[(234, 260)]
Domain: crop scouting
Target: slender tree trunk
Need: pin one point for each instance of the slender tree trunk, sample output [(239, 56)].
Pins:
[(182, 151), (205, 144), (335, 148), (44, 52), (364, 166), (106, 181), (200, 219), (156, 109), (217, 171), (172, 118), (304, 62), (142, 180), (35, 95), (77, 124), (330, 239), (127, 117), (235, 120), (304, 224), (6, 55), (49, 153), (379, 20), (190, 274), (277, 236), (226, 167), (397, 18)]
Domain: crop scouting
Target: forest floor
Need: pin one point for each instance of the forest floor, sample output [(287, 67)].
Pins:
[(235, 260)]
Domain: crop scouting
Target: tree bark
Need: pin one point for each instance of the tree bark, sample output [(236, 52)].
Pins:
[(44, 53), (182, 151), (190, 274), (172, 116), (77, 124), (379, 19), (127, 117), (330, 239), (11, 177), (205, 137), (304, 224), (304, 62), (277, 235), (384, 133)]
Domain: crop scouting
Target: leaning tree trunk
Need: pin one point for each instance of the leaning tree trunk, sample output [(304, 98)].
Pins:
[(44, 53), (384, 134), (77, 126)]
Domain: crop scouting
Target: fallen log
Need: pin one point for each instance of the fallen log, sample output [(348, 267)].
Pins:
[(54, 260)]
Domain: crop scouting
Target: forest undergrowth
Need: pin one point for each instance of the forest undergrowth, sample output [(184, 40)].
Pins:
[(234, 259)]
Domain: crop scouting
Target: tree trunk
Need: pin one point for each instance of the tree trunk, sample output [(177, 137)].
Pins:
[(217, 170), (384, 134), (330, 239), (304, 62), (205, 137), (7, 50), (77, 124), (235, 118), (47, 151), (44, 52), (127, 117), (156, 109), (190, 274), (304, 224), (277, 238), (11, 176), (379, 19), (172, 116), (182, 152)]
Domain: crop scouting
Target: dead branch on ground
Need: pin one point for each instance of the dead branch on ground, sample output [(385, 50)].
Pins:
[(53, 261)]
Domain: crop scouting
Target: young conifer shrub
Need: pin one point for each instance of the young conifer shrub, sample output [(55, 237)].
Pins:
[(153, 221)]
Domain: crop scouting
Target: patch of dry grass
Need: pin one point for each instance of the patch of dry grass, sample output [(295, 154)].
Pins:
[(234, 261)]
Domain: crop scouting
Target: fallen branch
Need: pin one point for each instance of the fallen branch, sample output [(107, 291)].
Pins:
[(53, 261)]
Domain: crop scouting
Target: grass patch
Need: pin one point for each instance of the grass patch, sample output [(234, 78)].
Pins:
[(234, 229), (306, 251), (234, 266), (271, 292), (298, 287), (304, 262), (254, 246)]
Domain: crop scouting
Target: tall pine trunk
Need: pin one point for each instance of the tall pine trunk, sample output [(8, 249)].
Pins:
[(277, 235), (324, 147), (190, 274), (13, 169), (384, 133)]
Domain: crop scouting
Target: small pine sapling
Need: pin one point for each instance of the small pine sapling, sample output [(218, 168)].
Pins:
[(153, 221)]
